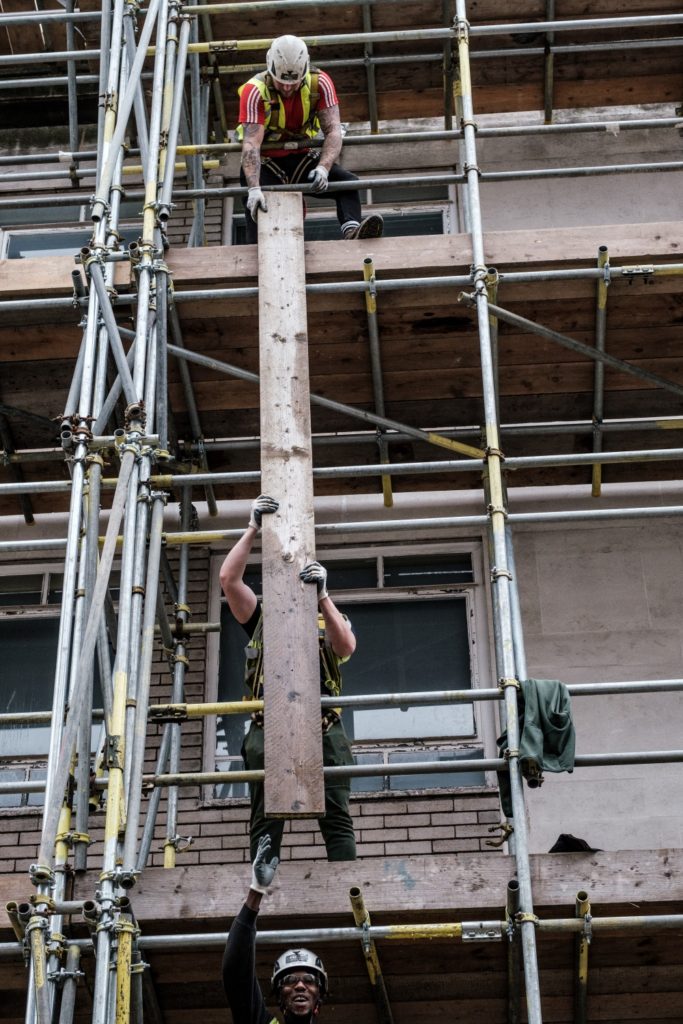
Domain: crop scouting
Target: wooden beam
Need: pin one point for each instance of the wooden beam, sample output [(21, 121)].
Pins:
[(293, 738)]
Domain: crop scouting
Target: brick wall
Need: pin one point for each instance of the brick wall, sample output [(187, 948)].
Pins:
[(401, 825)]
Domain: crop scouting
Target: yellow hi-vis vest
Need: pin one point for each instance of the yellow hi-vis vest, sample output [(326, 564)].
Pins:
[(275, 110), (253, 669)]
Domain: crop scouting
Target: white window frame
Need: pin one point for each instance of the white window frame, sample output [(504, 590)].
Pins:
[(479, 632)]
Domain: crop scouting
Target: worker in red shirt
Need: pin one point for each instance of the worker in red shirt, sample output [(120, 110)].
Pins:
[(291, 102)]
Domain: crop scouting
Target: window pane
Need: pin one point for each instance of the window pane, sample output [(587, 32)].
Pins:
[(373, 783), (21, 589), (361, 575), (436, 780), (230, 729), (13, 775), (433, 570), (29, 652), (404, 647)]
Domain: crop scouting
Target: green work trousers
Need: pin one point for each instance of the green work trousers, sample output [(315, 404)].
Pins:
[(336, 825)]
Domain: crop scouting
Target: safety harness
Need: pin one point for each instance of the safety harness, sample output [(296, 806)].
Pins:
[(330, 677), (275, 129)]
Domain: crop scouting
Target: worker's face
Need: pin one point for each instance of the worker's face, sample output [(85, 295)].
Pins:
[(299, 994), (287, 89)]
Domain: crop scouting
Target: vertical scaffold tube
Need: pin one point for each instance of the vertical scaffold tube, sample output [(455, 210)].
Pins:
[(139, 731), (581, 945), (179, 663), (514, 959), (497, 515), (376, 366), (379, 989), (70, 985), (599, 368)]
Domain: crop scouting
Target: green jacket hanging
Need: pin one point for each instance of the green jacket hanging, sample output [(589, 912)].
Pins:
[(546, 735)]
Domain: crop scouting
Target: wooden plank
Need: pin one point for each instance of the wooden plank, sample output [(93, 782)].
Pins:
[(293, 738)]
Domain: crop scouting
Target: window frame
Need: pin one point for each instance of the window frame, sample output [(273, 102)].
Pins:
[(479, 640)]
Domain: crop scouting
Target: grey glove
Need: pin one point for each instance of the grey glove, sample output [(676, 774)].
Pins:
[(316, 573), (256, 201), (318, 177), (263, 870), (261, 506)]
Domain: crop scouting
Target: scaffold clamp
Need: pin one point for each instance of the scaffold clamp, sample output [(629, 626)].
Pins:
[(168, 713), (478, 931), (506, 830), (587, 931)]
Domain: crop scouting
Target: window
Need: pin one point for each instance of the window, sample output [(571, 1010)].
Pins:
[(406, 210), (414, 614), (30, 604), (71, 228)]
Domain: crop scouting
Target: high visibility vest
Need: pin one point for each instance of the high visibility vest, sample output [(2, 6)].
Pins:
[(275, 110), (253, 668)]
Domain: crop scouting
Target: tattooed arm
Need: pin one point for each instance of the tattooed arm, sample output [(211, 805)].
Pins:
[(331, 126), (251, 153)]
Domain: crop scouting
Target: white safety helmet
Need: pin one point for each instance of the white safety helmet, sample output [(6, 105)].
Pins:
[(299, 960), (287, 59)]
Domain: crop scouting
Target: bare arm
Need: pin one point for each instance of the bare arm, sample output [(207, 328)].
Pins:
[(339, 634), (331, 127), (251, 153), (240, 597)]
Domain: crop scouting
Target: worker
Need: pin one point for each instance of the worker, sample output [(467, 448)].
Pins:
[(299, 980), (337, 643), (291, 102)]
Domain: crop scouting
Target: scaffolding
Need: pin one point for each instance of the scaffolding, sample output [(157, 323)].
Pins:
[(153, 465)]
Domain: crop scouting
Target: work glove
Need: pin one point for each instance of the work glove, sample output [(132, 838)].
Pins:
[(261, 506), (318, 177), (256, 201), (263, 870), (316, 573)]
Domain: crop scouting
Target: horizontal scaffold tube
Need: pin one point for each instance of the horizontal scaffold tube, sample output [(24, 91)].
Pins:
[(169, 480), (635, 271), (366, 700), (471, 931), (378, 526), (490, 764), (382, 139)]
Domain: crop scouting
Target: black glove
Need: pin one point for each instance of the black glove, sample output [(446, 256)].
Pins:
[(263, 870), (316, 573), (263, 505)]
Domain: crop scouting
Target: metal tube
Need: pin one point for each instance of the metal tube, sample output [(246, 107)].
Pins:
[(549, 64), (123, 113), (139, 98), (514, 959), (154, 801), (71, 80), (497, 517), (138, 734), (581, 946), (376, 368), (97, 278), (179, 662), (379, 989), (36, 931), (328, 403), (490, 764), (376, 526), (599, 368), (578, 346), (191, 406), (174, 125), (486, 930), (70, 984), (195, 164), (62, 761), (124, 955)]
